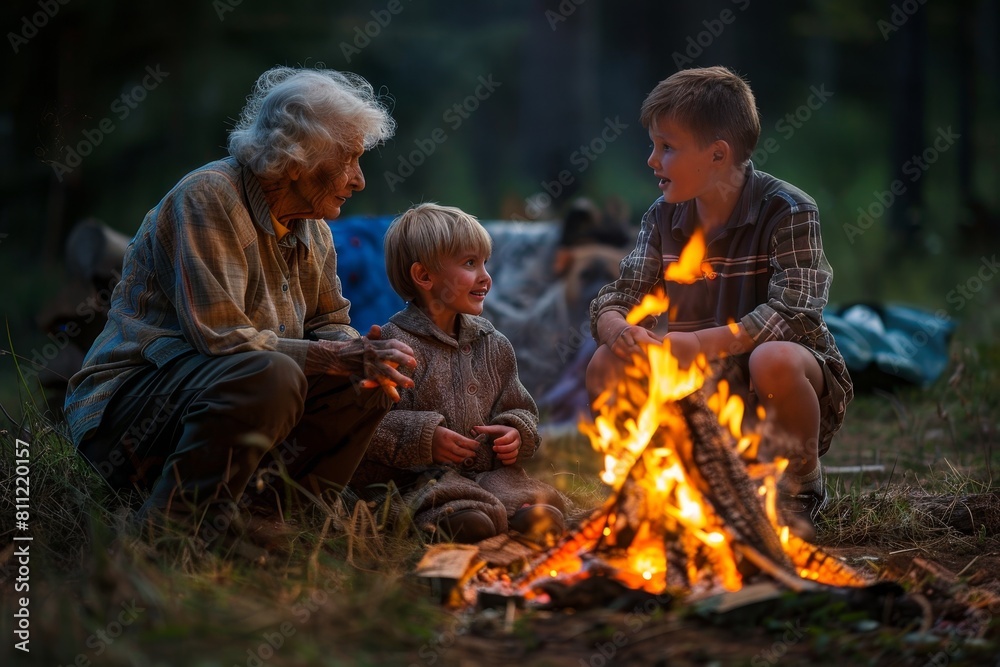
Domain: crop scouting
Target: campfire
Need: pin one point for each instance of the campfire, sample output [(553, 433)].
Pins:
[(691, 507), (692, 516)]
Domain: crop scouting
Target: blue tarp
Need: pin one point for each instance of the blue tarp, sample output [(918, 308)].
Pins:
[(361, 268)]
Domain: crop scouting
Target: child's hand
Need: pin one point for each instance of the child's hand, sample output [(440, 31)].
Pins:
[(630, 341), (506, 441), (447, 446), (684, 347)]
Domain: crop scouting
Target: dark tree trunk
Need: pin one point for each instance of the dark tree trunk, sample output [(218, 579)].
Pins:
[(908, 45)]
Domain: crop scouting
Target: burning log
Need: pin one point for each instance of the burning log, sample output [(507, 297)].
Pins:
[(636, 527), (685, 513), (714, 528), (715, 468)]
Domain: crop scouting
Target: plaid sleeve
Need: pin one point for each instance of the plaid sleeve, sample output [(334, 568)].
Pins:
[(641, 271), (799, 287)]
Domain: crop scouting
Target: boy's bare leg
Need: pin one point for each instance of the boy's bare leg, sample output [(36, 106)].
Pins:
[(603, 372), (788, 381)]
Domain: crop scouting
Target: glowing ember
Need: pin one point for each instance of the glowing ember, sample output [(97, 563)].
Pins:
[(691, 508)]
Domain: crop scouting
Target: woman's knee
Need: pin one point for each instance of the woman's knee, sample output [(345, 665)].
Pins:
[(261, 383), (284, 371)]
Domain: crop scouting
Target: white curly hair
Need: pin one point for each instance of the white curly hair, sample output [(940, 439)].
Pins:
[(299, 117)]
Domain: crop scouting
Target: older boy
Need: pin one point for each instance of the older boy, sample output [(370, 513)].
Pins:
[(769, 275), (453, 441)]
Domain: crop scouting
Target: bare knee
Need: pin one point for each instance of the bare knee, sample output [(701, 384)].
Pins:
[(781, 366), (601, 371)]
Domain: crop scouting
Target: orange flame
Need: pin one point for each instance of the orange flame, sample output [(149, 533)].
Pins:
[(690, 266), (640, 433)]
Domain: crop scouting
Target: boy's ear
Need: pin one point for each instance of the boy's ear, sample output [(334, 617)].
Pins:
[(420, 275), (721, 151)]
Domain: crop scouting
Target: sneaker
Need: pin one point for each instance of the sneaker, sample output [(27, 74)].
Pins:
[(466, 526), (799, 512), (542, 524)]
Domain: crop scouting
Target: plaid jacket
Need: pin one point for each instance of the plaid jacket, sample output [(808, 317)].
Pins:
[(769, 273), (206, 272)]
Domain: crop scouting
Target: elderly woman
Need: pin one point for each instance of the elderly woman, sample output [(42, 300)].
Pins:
[(228, 338)]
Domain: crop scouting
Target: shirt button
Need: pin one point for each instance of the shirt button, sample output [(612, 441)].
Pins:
[(473, 389), (281, 328), (466, 349), (284, 288)]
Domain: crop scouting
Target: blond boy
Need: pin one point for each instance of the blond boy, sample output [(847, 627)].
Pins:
[(454, 441)]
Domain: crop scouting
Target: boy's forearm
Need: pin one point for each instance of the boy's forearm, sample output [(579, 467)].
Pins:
[(609, 325), (715, 342), (728, 340)]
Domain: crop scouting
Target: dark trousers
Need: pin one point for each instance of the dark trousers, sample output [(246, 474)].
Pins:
[(197, 430)]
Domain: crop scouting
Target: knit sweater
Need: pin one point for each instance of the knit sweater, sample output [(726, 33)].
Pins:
[(458, 383)]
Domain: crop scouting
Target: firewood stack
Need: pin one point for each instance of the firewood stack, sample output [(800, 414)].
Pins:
[(643, 539)]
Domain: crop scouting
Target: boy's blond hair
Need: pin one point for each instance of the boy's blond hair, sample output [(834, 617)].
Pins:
[(712, 103), (430, 234)]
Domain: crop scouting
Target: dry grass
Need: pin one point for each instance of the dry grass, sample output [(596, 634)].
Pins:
[(344, 590), (959, 514), (345, 576)]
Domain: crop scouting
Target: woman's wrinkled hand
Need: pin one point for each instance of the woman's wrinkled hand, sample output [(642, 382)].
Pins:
[(370, 357)]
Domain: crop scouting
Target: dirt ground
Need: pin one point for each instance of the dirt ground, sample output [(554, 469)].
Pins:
[(787, 628)]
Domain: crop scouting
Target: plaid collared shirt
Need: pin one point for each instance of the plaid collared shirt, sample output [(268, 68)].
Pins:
[(206, 272), (768, 273)]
